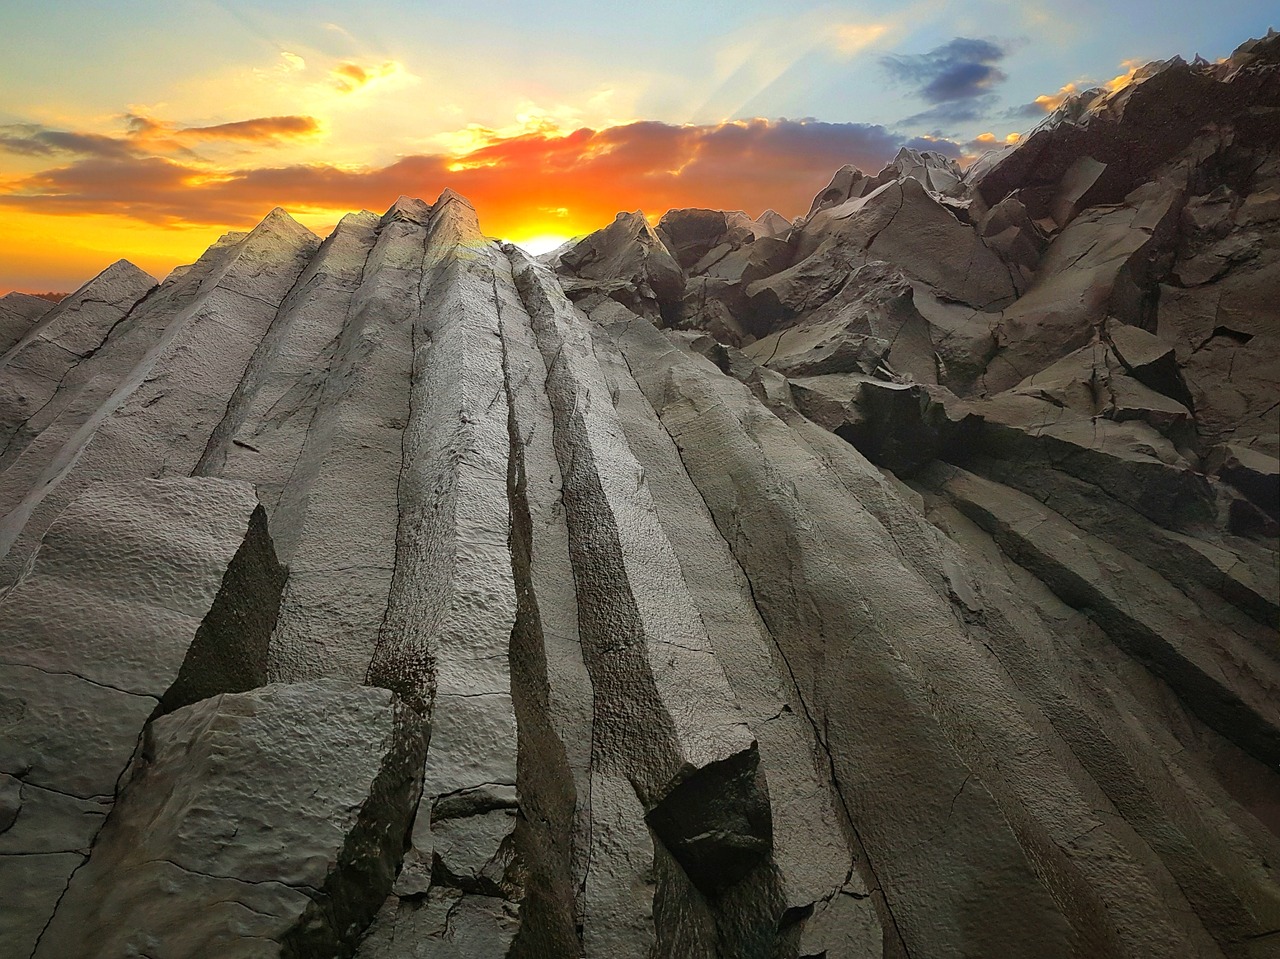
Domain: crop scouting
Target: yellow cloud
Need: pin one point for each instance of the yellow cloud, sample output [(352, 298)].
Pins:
[(1049, 102), (992, 139), (1123, 80)]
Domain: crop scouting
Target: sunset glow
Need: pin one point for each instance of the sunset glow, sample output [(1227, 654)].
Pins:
[(548, 128)]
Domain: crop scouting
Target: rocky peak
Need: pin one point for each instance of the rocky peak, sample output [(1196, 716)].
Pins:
[(847, 183), (773, 223), (407, 209), (935, 172)]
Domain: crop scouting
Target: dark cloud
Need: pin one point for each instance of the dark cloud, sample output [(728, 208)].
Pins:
[(1034, 110), (512, 181), (32, 139), (961, 69), (146, 136)]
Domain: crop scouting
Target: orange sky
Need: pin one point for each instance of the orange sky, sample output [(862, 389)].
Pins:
[(149, 194)]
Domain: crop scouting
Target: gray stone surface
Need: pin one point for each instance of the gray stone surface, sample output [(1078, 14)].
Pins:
[(37, 364), (151, 404), (266, 823), (142, 597), (18, 313)]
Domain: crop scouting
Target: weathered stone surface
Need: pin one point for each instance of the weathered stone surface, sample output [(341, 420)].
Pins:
[(150, 406), (646, 648), (848, 183), (18, 313), (165, 592), (36, 365), (771, 223), (692, 235), (626, 261), (266, 823), (1154, 621), (935, 172), (1130, 131)]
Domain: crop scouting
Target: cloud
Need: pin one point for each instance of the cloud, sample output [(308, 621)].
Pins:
[(349, 76), (943, 145), (1131, 68), (30, 139), (559, 181), (147, 136), (953, 113), (984, 142), (259, 129), (961, 69), (1048, 102)]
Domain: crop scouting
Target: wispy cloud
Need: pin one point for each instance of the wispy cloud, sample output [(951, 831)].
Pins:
[(951, 114), (32, 139), (851, 38), (263, 130), (146, 136)]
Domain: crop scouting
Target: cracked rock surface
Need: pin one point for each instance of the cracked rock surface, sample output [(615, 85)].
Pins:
[(142, 597), (898, 582)]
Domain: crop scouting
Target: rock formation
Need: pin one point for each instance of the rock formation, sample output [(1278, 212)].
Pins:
[(900, 582)]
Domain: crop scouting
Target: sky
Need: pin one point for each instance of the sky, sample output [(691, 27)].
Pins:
[(145, 129)]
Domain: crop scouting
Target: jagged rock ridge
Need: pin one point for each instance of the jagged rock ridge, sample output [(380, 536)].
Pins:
[(898, 582)]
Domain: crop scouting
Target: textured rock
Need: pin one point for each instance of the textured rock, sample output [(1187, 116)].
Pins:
[(149, 406), (849, 182), (77, 327), (645, 647), (935, 172), (165, 592), (266, 823), (18, 313), (693, 235), (626, 261)]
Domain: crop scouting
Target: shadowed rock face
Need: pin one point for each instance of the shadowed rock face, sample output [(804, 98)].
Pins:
[(897, 582)]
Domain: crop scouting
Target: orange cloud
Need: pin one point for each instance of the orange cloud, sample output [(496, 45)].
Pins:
[(349, 76), (260, 129), (1117, 83), (990, 140), (1048, 102), (542, 182)]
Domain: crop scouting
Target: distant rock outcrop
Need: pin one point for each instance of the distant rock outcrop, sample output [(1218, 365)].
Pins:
[(900, 581)]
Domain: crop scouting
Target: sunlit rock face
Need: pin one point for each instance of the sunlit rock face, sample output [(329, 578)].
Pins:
[(900, 581)]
